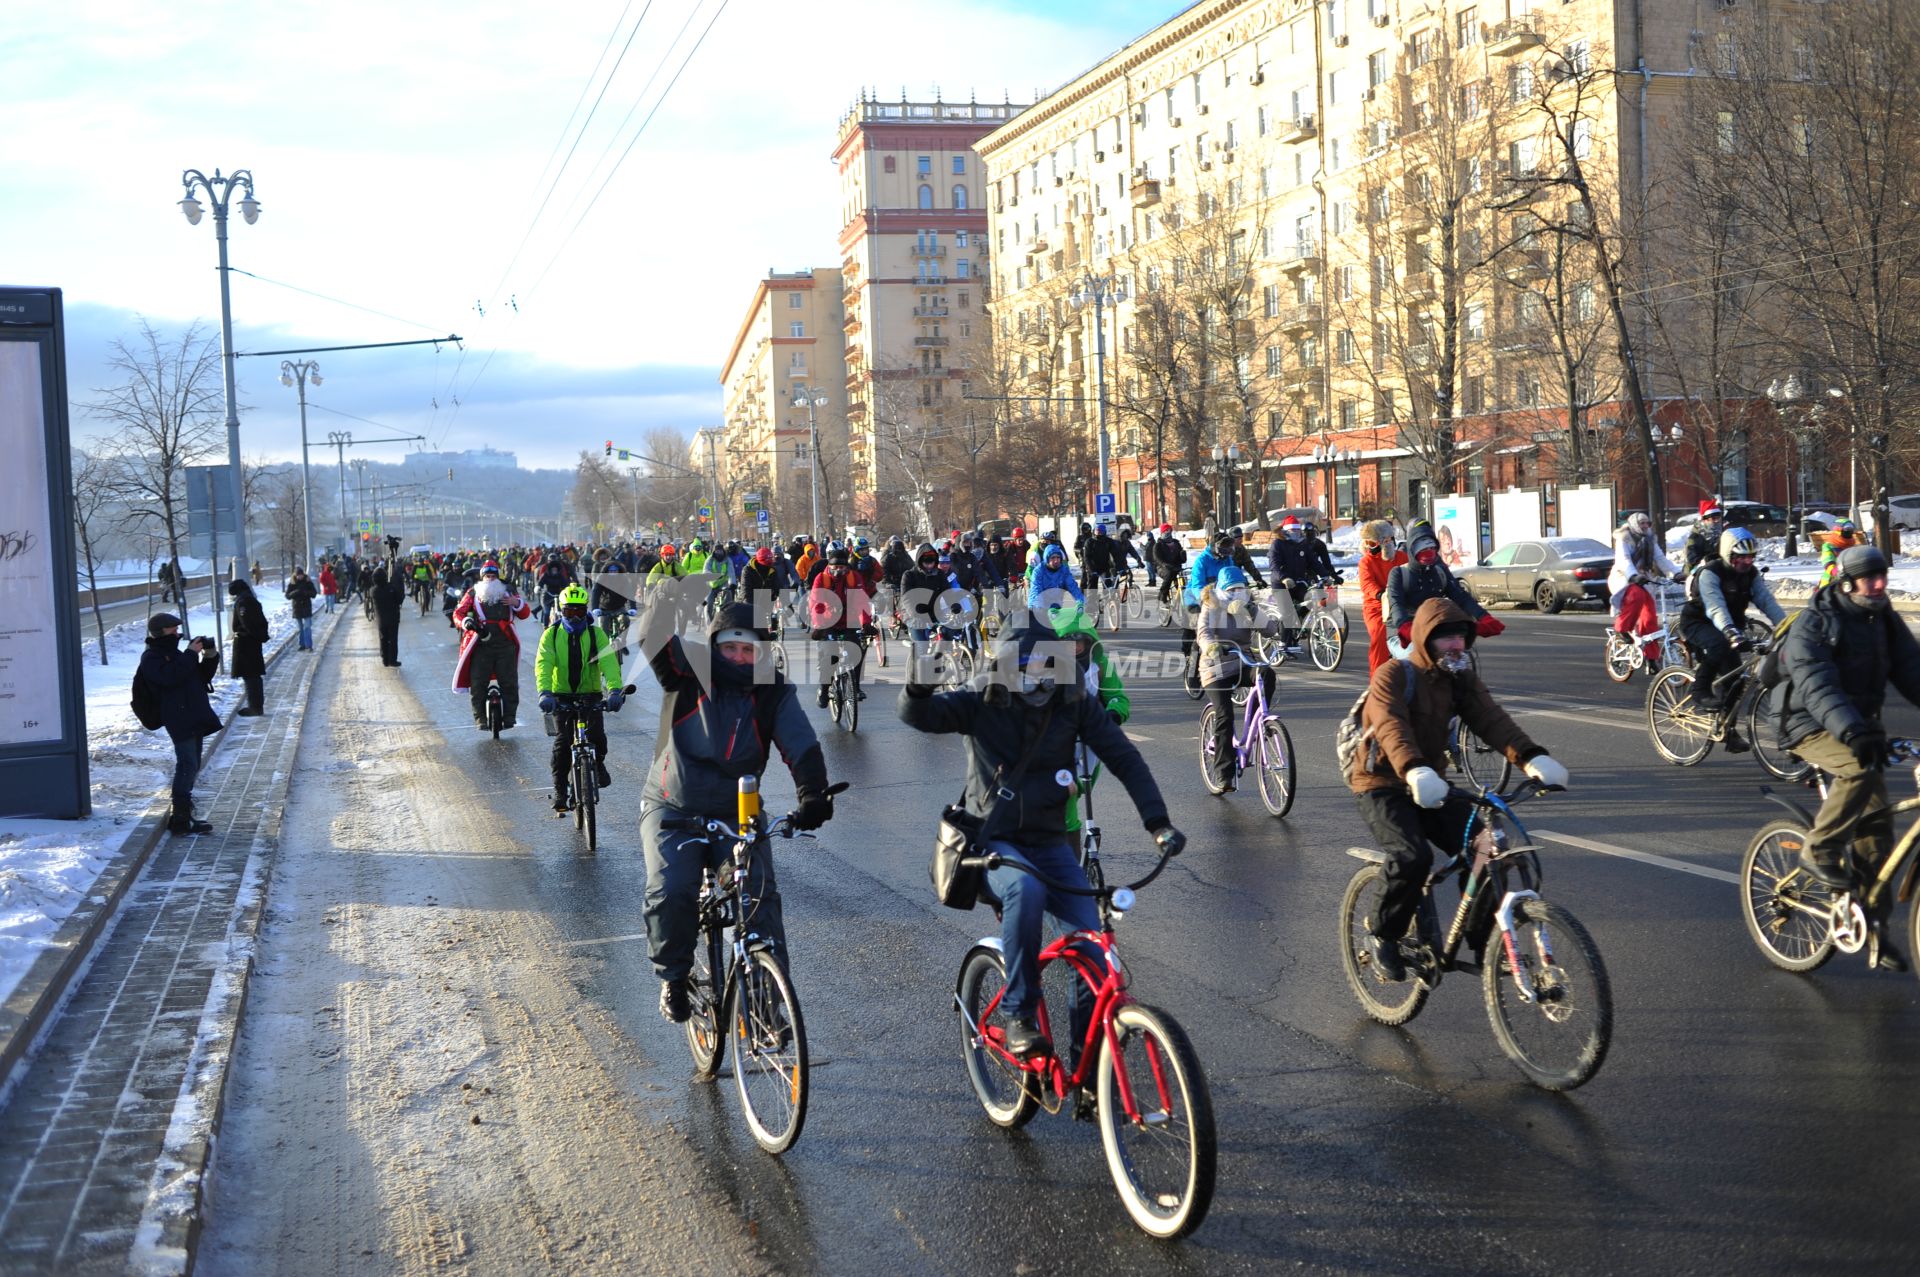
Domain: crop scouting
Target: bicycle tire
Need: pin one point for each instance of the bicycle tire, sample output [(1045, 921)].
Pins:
[(1617, 656), (850, 696), (1786, 910), (1674, 739), (581, 779), (1325, 644), (959, 665), (1356, 957), (780, 656), (1166, 1082), (1579, 1051), (769, 1052), (1278, 783), (706, 1026), (1763, 733), (1191, 678), (590, 807), (1209, 718), (494, 717), (1476, 759), (1007, 1094)]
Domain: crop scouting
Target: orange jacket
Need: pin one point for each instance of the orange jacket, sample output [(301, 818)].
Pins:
[(1373, 581)]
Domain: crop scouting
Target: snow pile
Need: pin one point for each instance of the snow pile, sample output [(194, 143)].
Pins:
[(47, 866), (133, 571)]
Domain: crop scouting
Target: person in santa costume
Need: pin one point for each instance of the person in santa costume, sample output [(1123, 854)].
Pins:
[(489, 647)]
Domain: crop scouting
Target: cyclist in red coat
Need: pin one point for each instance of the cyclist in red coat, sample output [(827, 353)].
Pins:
[(839, 610)]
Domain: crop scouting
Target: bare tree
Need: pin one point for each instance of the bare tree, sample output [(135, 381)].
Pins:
[(94, 506), (164, 416)]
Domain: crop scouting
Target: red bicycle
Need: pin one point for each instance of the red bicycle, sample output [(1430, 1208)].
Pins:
[(1149, 1095)]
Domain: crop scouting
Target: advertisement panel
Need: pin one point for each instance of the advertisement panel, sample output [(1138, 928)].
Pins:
[(1516, 516), (1456, 521), (1587, 512)]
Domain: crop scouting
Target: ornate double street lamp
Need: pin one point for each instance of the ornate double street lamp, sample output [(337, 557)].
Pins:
[(219, 191), (299, 372)]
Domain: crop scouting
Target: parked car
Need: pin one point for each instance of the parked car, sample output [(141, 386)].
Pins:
[(1905, 509), (1549, 573), (1757, 517)]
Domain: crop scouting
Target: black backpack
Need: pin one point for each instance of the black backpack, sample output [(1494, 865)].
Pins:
[(146, 703)]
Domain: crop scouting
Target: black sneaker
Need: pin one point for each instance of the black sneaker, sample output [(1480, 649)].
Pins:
[(560, 805), (1025, 1039), (1086, 1105), (1886, 957), (601, 775), (199, 827), (821, 701), (250, 713), (1735, 743), (1386, 957), (675, 1004), (1826, 867)]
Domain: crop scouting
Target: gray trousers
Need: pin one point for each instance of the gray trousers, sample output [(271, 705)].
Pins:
[(674, 860), (1856, 799)]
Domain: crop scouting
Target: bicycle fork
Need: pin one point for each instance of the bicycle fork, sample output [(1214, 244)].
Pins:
[(1504, 916)]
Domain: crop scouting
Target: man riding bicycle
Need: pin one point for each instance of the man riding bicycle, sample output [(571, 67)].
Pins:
[(1034, 707), (1398, 775), (1715, 617), (1836, 661), (556, 574), (721, 717), (1296, 561), (1637, 559), (1703, 543), (1422, 578), (574, 668), (1171, 558), (490, 646), (1228, 622), (839, 611)]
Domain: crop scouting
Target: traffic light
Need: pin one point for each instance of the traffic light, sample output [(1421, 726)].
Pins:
[(609, 447)]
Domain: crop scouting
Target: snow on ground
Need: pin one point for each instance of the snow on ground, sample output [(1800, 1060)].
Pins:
[(47, 866), (133, 571)]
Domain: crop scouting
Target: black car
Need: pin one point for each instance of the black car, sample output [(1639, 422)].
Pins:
[(1549, 573)]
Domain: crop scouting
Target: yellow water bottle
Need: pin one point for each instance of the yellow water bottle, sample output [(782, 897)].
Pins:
[(749, 801)]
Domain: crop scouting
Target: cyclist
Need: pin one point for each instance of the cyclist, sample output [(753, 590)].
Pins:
[(490, 647), (456, 578), (1426, 577), (1124, 550), (722, 714), (1034, 706), (1097, 558), (1296, 560), (1018, 552), (839, 611), (556, 574), (420, 579), (920, 585), (1228, 622), (1050, 581), (1703, 543), (1843, 536), (1101, 681), (1836, 661), (1379, 556), (807, 562), (1171, 558), (895, 563), (1398, 776), (613, 601), (1243, 557), (1637, 559), (1715, 616), (576, 659), (760, 586), (1202, 572)]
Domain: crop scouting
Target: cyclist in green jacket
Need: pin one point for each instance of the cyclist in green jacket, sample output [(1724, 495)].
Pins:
[(576, 666), (1101, 680)]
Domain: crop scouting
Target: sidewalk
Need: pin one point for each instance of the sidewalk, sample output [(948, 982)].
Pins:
[(105, 1139)]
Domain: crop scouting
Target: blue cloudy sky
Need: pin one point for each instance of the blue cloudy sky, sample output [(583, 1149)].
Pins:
[(401, 151)]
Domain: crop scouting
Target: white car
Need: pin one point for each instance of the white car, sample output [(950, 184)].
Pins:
[(1905, 510)]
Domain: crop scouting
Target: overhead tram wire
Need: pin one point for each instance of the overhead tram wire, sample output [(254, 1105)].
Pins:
[(664, 93), (280, 283)]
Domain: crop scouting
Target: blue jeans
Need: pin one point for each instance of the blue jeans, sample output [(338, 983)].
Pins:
[(186, 770), (306, 632), (326, 601), (1024, 903)]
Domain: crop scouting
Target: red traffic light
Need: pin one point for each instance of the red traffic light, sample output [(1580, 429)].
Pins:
[(609, 447)]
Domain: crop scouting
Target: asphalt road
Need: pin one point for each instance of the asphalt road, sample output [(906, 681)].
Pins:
[(434, 931)]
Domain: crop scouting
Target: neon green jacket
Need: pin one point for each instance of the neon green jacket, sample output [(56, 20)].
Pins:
[(1071, 622), (576, 664), (665, 570)]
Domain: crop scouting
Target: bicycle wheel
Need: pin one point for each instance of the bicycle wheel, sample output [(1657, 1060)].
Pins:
[(769, 1052), (1005, 1091), (494, 716), (1763, 733), (1618, 658), (1276, 767), (850, 697), (1680, 733), (1559, 1038), (1209, 776), (1192, 679), (1788, 911), (582, 782), (1325, 646), (706, 1027), (1162, 1161), (780, 656), (837, 701), (590, 813), (1388, 1001), (959, 665), (1480, 762)]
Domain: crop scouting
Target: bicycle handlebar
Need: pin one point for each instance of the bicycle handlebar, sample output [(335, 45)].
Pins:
[(993, 860)]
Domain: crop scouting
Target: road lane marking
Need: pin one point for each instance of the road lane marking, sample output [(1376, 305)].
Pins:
[(1585, 720), (638, 935), (1139, 736), (1645, 858)]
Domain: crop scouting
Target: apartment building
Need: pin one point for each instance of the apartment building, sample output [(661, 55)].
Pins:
[(1341, 228), (914, 273), (787, 352)]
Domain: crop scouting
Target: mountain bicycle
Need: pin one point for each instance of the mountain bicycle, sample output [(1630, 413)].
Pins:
[(1796, 920), (1624, 654), (1261, 742), (1150, 1095), (739, 987), (1547, 993), (1685, 734), (843, 693), (423, 591), (584, 783)]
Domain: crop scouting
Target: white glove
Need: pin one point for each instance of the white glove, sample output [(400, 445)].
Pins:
[(1427, 787), (1545, 770)]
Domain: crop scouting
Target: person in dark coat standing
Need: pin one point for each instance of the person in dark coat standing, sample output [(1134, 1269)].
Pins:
[(389, 592), (249, 630), (300, 593), (179, 681)]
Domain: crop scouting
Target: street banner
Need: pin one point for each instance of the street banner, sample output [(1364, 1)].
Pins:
[(1456, 521)]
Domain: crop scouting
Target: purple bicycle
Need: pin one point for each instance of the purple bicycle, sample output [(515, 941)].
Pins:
[(1262, 744)]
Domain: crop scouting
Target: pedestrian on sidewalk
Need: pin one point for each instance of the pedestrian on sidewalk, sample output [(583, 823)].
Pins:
[(301, 592), (249, 630), (179, 681), (389, 592), (329, 586)]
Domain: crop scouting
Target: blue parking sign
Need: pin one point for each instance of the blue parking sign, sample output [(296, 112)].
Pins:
[(1103, 503)]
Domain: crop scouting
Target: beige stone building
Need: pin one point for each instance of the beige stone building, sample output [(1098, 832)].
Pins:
[(1339, 227), (788, 347), (915, 275)]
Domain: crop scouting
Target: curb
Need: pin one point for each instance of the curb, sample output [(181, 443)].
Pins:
[(168, 1236), (35, 1002)]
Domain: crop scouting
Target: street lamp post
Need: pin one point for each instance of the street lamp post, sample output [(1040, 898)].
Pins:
[(810, 400), (339, 439), (1099, 290), (298, 372), (1224, 461), (219, 191), (1332, 458)]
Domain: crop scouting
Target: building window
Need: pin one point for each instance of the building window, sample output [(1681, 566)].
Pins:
[(797, 328), (1344, 346), (924, 165), (959, 165), (1376, 69), (959, 197), (1467, 33), (1723, 132), (1520, 83), (1582, 302), (1473, 394), (1349, 414), (798, 361), (1726, 53), (963, 269), (1476, 322), (1309, 352), (1270, 301), (966, 301), (794, 301), (1260, 120), (1275, 358), (1423, 48), (1578, 59), (1470, 101), (926, 196)]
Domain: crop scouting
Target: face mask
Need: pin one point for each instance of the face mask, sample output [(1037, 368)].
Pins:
[(1295, 534), (1454, 662), (1038, 696), (574, 624), (1235, 595), (171, 640), (1427, 558)]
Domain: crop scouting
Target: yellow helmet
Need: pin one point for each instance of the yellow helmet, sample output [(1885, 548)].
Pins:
[(574, 596)]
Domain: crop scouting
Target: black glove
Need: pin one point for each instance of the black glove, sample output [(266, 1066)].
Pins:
[(814, 811), (1114, 714), (1170, 840), (1738, 639), (470, 624), (816, 635), (1869, 746)]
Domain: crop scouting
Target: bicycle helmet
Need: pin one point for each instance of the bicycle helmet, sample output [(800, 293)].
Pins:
[(669, 551), (860, 543), (1738, 541), (839, 556), (574, 596), (764, 556)]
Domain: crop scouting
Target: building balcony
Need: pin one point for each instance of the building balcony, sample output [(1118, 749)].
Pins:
[(1145, 193), (1524, 263), (1420, 284), (1514, 36), (925, 281), (929, 250), (1303, 128), (1298, 257), (929, 343), (1301, 380), (929, 312), (1300, 317), (1419, 356), (1036, 247)]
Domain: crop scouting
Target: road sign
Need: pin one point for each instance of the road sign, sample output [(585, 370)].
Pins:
[(625, 454), (764, 520), (1103, 503), (209, 509), (706, 511)]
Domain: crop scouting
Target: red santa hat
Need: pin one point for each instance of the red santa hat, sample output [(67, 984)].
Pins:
[(1709, 506)]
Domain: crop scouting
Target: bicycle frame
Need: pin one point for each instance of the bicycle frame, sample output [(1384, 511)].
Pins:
[(1252, 714)]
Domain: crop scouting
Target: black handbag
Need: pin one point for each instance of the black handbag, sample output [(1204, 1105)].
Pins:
[(960, 833)]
